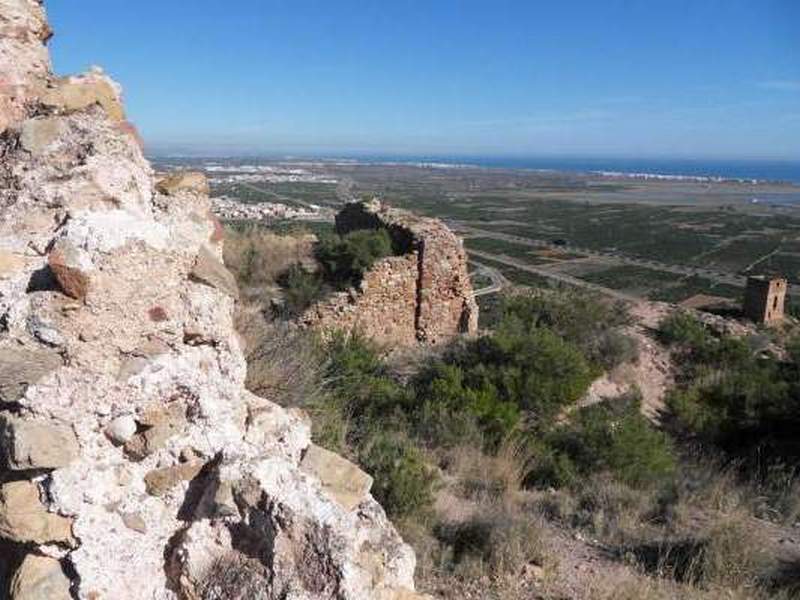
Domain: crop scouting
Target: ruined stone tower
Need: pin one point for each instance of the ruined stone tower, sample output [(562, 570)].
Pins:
[(764, 299), (423, 296)]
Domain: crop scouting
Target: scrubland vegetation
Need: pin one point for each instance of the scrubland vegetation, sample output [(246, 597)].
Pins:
[(504, 493), (300, 268)]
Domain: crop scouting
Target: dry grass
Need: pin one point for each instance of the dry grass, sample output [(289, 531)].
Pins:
[(493, 478), (483, 538), (284, 364), (257, 257), (604, 508)]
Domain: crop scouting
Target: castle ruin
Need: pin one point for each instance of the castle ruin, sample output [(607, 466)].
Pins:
[(423, 296)]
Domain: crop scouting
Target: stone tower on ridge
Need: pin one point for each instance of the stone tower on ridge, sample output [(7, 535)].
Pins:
[(764, 299)]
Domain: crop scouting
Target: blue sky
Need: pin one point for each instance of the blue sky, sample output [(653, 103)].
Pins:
[(656, 78)]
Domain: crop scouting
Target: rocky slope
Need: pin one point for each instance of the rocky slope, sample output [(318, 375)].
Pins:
[(134, 463)]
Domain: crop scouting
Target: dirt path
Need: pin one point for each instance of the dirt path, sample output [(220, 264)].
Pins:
[(651, 373)]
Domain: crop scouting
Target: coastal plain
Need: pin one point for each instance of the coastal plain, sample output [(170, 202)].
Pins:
[(660, 238)]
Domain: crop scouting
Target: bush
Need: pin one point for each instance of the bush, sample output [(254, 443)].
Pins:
[(286, 366), (257, 257), (613, 348), (403, 481), (530, 367), (301, 289), (615, 439), (680, 327), (345, 259), (450, 412), (583, 319)]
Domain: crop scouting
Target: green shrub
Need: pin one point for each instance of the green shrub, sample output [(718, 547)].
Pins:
[(612, 348), (607, 438), (680, 327), (301, 289), (345, 259), (533, 368), (403, 481), (583, 319), (450, 412)]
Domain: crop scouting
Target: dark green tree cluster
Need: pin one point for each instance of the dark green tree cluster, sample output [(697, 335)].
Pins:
[(514, 383), (345, 259), (733, 395)]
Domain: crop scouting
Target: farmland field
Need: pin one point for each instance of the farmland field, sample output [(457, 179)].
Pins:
[(665, 240)]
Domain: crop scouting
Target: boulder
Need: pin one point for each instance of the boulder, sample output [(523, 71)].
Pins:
[(157, 425), (160, 481), (21, 367), (24, 519), (72, 268), (10, 264), (193, 182), (72, 94), (40, 578), (344, 481), (210, 270), (37, 134), (27, 444)]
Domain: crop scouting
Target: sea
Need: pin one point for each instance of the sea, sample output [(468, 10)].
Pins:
[(747, 170)]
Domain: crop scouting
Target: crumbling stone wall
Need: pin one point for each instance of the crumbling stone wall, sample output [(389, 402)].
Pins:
[(133, 463), (424, 296)]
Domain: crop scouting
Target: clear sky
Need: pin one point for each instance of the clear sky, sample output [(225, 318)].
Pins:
[(630, 78)]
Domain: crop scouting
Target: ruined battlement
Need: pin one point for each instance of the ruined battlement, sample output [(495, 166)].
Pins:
[(423, 296)]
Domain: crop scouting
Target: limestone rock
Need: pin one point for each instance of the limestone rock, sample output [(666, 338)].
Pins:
[(184, 181), (210, 270), (21, 367), (158, 424), (44, 331), (121, 429), (134, 522), (125, 403), (10, 264), (160, 481), (37, 134), (77, 93), (72, 268), (28, 444), (343, 480), (24, 519), (40, 578)]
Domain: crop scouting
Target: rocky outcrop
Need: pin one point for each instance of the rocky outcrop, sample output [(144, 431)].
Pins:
[(423, 296), (133, 462)]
